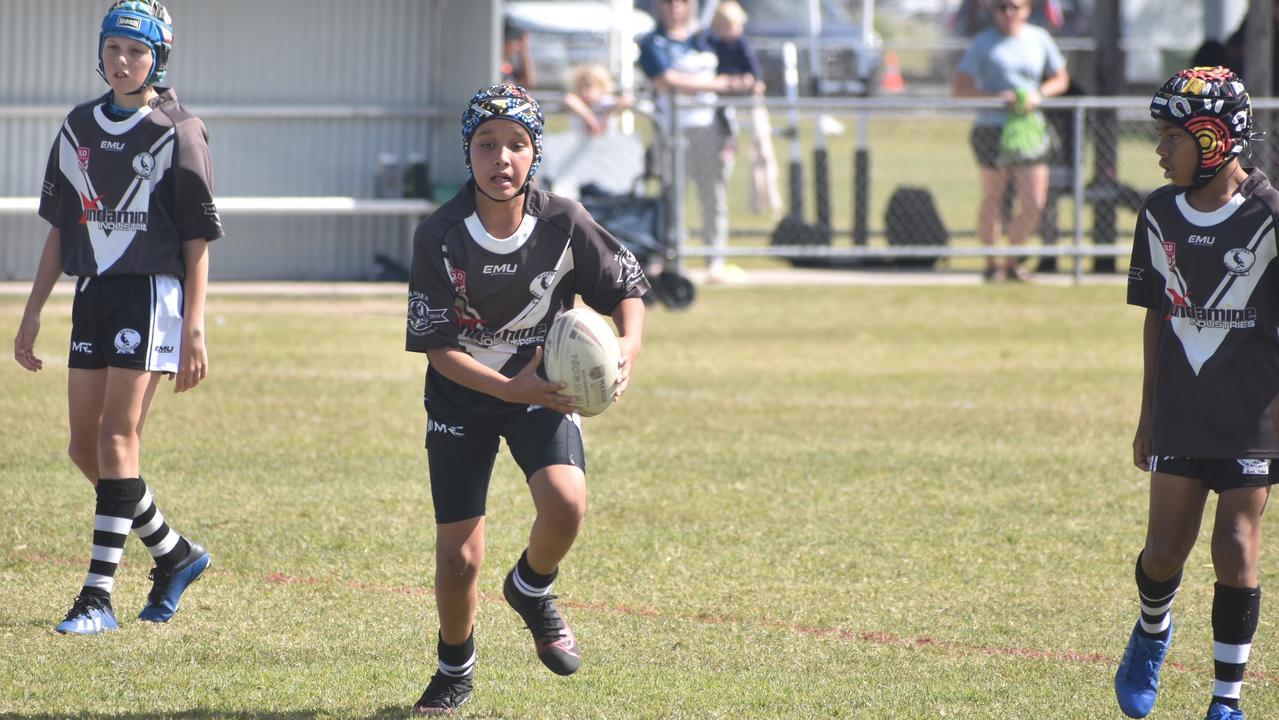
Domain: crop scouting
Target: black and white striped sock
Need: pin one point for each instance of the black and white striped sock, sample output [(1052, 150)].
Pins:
[(1234, 622), (531, 583), (1156, 602), (113, 516), (165, 544), (457, 660)]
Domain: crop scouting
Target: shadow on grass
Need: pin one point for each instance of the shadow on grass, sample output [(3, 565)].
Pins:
[(386, 713)]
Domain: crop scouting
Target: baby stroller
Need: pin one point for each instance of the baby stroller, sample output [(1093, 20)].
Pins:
[(606, 174), (639, 223)]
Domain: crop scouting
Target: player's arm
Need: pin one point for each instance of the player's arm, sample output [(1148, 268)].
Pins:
[(47, 274), (628, 316), (193, 360), (679, 81), (1142, 443), (525, 388)]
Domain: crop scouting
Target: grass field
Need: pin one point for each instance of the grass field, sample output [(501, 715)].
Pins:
[(835, 502)]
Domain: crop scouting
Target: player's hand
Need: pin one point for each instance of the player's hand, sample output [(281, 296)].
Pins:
[(193, 362), (529, 389), (630, 349), (24, 344), (1141, 446)]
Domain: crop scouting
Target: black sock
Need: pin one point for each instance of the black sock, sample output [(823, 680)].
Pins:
[(1234, 622), (1156, 602), (457, 660), (530, 582), (112, 519)]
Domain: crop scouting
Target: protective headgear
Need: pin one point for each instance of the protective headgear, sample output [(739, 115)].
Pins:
[(1212, 105), (510, 102), (147, 22)]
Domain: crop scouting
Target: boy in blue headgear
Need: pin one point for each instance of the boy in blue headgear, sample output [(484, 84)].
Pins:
[(128, 191)]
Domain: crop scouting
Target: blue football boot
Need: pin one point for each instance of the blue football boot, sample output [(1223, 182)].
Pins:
[(167, 586), (1137, 681), (89, 615), (1217, 711)]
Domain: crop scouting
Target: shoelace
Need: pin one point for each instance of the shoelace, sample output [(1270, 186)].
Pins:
[(82, 605), (160, 584), (452, 688), (549, 623)]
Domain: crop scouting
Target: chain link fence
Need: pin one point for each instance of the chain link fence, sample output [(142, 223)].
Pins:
[(895, 183)]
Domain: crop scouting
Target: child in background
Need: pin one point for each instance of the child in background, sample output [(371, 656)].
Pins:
[(1203, 266), (737, 61), (592, 100)]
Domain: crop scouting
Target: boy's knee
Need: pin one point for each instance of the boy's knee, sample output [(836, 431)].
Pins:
[(459, 564), (84, 455), (1162, 560)]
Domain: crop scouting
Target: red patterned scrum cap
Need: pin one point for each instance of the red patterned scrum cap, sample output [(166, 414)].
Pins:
[(1212, 105)]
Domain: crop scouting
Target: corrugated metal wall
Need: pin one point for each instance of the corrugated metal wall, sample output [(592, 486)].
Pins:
[(230, 54)]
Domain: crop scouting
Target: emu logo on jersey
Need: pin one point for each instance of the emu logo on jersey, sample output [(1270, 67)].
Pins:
[(1203, 240), (422, 317), (502, 269), (1239, 261), (127, 340), (143, 164), (112, 145)]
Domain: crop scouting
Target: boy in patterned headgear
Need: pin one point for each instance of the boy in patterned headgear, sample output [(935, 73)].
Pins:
[(492, 268), (128, 191), (1203, 267)]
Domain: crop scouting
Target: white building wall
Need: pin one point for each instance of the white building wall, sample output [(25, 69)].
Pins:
[(304, 61)]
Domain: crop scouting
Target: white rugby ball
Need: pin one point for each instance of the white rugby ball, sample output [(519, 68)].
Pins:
[(582, 352)]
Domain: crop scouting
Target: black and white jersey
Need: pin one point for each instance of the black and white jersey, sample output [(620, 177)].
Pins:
[(125, 195), (1212, 277), (496, 298)]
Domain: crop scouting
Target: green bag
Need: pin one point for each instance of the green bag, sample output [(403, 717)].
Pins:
[(1025, 137)]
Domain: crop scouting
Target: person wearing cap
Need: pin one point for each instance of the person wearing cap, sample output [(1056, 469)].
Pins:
[(1203, 266), (492, 269), (128, 192)]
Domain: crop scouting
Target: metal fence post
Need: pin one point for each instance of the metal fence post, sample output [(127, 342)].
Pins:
[(1077, 175), (677, 179)]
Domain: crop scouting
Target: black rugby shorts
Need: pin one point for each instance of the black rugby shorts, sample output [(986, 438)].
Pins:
[(461, 449), (127, 321), (1217, 474)]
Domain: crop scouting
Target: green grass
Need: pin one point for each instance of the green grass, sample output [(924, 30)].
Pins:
[(903, 502)]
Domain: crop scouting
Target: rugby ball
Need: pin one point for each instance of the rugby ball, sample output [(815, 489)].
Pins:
[(582, 352)]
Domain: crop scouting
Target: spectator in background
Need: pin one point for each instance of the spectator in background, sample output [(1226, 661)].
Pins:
[(517, 57), (736, 58), (1019, 64), (592, 101), (678, 57)]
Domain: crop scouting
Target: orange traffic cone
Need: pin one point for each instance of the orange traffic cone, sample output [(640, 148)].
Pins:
[(892, 81)]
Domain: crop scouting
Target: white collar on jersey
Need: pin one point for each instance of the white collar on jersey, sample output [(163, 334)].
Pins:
[(1205, 219), (500, 246), (119, 128)]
